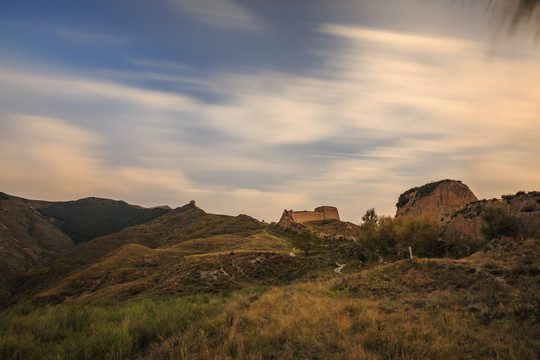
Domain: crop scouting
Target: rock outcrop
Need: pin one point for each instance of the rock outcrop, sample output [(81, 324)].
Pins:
[(438, 200), (463, 233)]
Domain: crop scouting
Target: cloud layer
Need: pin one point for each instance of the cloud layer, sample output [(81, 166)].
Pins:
[(385, 111)]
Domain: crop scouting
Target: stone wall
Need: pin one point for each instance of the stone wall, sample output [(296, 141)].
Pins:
[(330, 212), (294, 219), (305, 216)]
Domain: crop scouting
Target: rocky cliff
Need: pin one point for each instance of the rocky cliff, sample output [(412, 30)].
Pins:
[(438, 200), (463, 232)]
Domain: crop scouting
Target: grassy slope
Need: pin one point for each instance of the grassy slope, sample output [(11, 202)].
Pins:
[(176, 226), (183, 251), (334, 228), (195, 265), (134, 295), (485, 306)]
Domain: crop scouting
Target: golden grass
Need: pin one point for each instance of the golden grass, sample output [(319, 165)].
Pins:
[(260, 241), (486, 306), (421, 309)]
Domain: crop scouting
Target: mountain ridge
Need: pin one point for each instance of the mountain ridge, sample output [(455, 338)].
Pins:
[(190, 231)]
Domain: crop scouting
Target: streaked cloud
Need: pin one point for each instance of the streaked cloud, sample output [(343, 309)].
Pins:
[(85, 38), (402, 41), (387, 111), (51, 156), (221, 13)]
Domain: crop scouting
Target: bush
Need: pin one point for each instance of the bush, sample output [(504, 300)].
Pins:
[(498, 222), (389, 237), (421, 234), (306, 240)]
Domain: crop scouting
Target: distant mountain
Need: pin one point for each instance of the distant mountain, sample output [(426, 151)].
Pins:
[(182, 251), (89, 218), (34, 233)]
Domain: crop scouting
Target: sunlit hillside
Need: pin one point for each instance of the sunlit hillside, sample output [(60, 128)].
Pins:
[(192, 285)]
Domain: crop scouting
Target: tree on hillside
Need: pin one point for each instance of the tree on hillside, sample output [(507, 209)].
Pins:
[(369, 226), (370, 216), (306, 240)]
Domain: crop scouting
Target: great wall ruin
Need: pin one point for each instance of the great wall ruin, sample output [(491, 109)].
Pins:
[(295, 219)]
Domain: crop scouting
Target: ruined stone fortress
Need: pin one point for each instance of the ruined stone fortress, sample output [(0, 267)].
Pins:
[(290, 217), (320, 213)]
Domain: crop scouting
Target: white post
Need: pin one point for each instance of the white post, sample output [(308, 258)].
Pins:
[(410, 252)]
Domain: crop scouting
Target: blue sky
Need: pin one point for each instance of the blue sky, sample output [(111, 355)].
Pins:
[(256, 106)]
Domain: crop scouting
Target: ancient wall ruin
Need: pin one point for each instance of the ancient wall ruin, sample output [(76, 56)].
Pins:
[(330, 212), (305, 216), (291, 219)]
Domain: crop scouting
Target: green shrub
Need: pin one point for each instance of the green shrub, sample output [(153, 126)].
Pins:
[(391, 238), (498, 222), (421, 234), (306, 240)]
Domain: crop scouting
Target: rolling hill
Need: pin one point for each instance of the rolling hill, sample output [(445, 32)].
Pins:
[(183, 283)]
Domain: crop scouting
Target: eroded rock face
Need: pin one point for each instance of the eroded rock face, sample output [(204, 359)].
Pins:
[(438, 200), (463, 233)]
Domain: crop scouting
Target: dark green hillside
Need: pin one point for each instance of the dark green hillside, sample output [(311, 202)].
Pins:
[(89, 218), (182, 224)]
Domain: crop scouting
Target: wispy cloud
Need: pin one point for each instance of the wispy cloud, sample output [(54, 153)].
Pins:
[(52, 156), (386, 112), (221, 13), (86, 37), (159, 65)]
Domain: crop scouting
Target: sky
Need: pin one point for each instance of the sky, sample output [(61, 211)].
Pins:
[(252, 106)]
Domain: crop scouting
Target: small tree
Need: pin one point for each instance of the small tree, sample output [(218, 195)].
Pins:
[(307, 240), (370, 216), (369, 226)]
